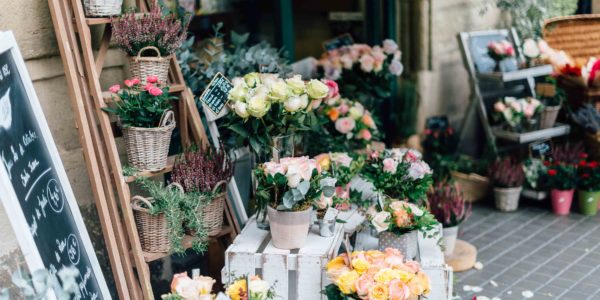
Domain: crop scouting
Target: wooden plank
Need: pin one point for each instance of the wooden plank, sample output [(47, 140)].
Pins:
[(240, 256), (168, 168), (104, 45), (187, 243), (276, 264), (558, 130)]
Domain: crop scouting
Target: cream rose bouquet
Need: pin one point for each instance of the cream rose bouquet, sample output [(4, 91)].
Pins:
[(399, 173), (264, 106), (364, 71), (185, 288), (250, 288), (344, 167), (292, 184), (400, 217), (375, 275)]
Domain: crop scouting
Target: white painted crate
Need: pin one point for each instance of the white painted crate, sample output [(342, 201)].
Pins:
[(299, 274)]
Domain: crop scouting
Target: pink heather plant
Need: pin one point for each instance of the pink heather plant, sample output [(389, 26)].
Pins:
[(447, 204), (132, 33)]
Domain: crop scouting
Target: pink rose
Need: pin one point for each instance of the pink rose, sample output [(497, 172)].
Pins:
[(516, 106), (418, 170), (367, 63), (341, 159), (154, 91), (273, 168), (363, 284), (334, 90), (396, 67), (365, 134), (346, 61), (148, 86), (115, 88), (394, 261), (324, 202), (413, 266), (529, 111), (345, 125), (499, 106), (389, 46), (390, 165), (388, 252), (135, 81), (378, 54), (398, 290), (343, 192), (343, 109), (128, 82), (152, 79), (412, 156)]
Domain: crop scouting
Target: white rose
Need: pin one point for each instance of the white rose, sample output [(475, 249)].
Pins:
[(341, 158), (273, 168), (303, 101), (530, 48), (252, 79), (398, 205), (293, 176), (296, 84), (268, 79), (418, 170), (292, 104), (258, 105), (188, 289), (206, 297), (380, 221), (205, 284), (357, 111), (279, 90), (416, 210), (240, 109), (259, 289), (317, 89), (238, 81), (238, 93)]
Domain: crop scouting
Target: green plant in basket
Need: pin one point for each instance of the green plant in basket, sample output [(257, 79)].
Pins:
[(140, 106)]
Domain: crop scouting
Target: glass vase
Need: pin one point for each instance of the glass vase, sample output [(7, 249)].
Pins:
[(283, 146)]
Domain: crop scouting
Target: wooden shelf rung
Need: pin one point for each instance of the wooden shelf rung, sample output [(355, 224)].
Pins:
[(187, 243), (167, 169)]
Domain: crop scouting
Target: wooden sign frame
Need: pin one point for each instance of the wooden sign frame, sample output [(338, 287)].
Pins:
[(207, 90), (9, 198)]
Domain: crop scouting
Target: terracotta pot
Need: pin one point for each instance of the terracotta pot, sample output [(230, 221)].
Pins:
[(507, 199), (561, 201), (588, 202), (406, 243), (289, 229), (548, 118), (450, 234)]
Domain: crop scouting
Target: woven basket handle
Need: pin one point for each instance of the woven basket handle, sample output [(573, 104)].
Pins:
[(218, 185), (135, 202), (167, 118), (139, 55), (177, 186)]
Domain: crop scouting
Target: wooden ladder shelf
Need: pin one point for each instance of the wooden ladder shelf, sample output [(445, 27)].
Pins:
[(83, 66)]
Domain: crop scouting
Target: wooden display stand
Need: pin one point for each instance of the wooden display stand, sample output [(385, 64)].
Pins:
[(110, 186)]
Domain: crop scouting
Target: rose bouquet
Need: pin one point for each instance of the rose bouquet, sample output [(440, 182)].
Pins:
[(345, 125), (364, 71), (375, 275), (400, 217), (265, 106), (344, 168), (500, 50), (185, 288), (399, 173), (250, 288), (518, 114)]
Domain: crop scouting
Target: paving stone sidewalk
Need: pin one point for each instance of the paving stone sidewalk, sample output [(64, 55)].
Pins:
[(531, 251)]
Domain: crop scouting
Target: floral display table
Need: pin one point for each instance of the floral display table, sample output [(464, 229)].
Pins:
[(297, 274)]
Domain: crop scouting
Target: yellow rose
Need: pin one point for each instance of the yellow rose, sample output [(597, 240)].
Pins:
[(252, 79), (347, 282), (336, 263), (335, 268), (316, 89), (235, 290), (420, 284), (378, 291), (360, 265), (404, 276), (386, 275), (296, 84)]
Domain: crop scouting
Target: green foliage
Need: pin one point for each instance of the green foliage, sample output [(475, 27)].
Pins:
[(561, 176), (138, 108), (171, 297), (589, 176), (333, 293)]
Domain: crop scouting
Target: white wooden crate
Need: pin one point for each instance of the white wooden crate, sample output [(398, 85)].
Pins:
[(299, 274)]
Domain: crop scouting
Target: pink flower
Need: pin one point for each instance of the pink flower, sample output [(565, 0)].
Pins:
[(398, 290), (378, 54), (365, 134), (499, 106), (273, 168), (389, 46), (516, 106), (418, 170), (115, 88), (368, 120), (343, 109), (412, 156), (367, 63), (135, 81), (396, 67), (390, 165), (148, 86), (363, 284), (413, 266), (347, 61), (392, 252), (341, 159), (529, 111), (152, 79), (334, 90), (128, 82), (343, 192), (345, 125), (155, 91)]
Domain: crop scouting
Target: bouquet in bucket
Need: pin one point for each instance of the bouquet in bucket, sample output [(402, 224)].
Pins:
[(375, 275), (344, 168), (250, 288), (518, 114), (265, 106), (400, 217), (364, 71), (185, 288), (399, 173)]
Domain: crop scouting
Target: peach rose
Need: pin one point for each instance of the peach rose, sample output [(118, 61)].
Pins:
[(367, 119), (365, 134), (367, 63), (364, 283), (333, 114), (398, 290), (345, 125)]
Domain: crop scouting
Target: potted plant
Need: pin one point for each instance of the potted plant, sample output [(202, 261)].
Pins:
[(588, 186), (160, 217), (204, 175), (267, 111), (149, 39), (499, 51), (553, 97), (518, 115), (470, 175), (507, 176), (374, 275), (399, 173), (288, 189), (102, 8), (561, 178), (145, 114), (449, 207), (397, 223)]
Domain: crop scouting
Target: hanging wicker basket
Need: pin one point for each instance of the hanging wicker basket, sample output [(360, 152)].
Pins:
[(148, 148), (474, 187), (102, 8), (212, 212), (141, 67)]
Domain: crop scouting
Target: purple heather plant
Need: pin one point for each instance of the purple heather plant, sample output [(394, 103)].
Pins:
[(133, 32), (507, 173), (447, 204)]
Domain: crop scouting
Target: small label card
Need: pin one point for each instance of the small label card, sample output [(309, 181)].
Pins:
[(215, 95), (540, 149)]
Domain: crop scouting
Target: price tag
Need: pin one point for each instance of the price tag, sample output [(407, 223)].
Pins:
[(338, 42), (545, 90), (540, 149), (215, 94)]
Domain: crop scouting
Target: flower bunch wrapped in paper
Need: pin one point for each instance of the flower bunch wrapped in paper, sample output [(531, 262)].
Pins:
[(344, 168), (265, 106), (375, 275), (500, 50), (399, 173), (518, 114), (185, 288), (250, 288), (364, 71)]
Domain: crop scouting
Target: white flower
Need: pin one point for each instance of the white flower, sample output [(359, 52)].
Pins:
[(418, 170), (268, 79), (357, 111), (259, 289), (279, 90), (380, 221), (272, 168), (240, 109), (252, 79), (296, 84), (292, 104), (258, 105), (389, 46), (317, 89), (303, 101), (188, 289), (205, 284), (341, 158), (398, 205), (293, 176), (530, 48), (416, 210), (238, 92)]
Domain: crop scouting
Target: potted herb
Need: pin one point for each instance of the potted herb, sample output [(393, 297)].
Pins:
[(145, 115), (267, 111), (561, 178), (399, 173), (507, 176), (149, 39), (499, 51), (588, 186), (397, 223), (288, 190), (470, 175), (102, 8), (449, 207), (518, 115), (204, 175)]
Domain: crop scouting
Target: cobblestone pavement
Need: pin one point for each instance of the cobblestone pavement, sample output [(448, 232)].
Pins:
[(531, 252)]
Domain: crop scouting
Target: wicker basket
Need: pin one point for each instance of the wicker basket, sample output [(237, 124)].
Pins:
[(592, 143), (473, 186), (142, 67), (578, 36), (148, 148), (548, 117), (212, 213), (102, 8)]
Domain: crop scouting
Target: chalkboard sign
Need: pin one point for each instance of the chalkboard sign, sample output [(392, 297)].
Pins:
[(437, 123), (338, 42), (34, 187), (479, 52), (215, 95), (540, 149)]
